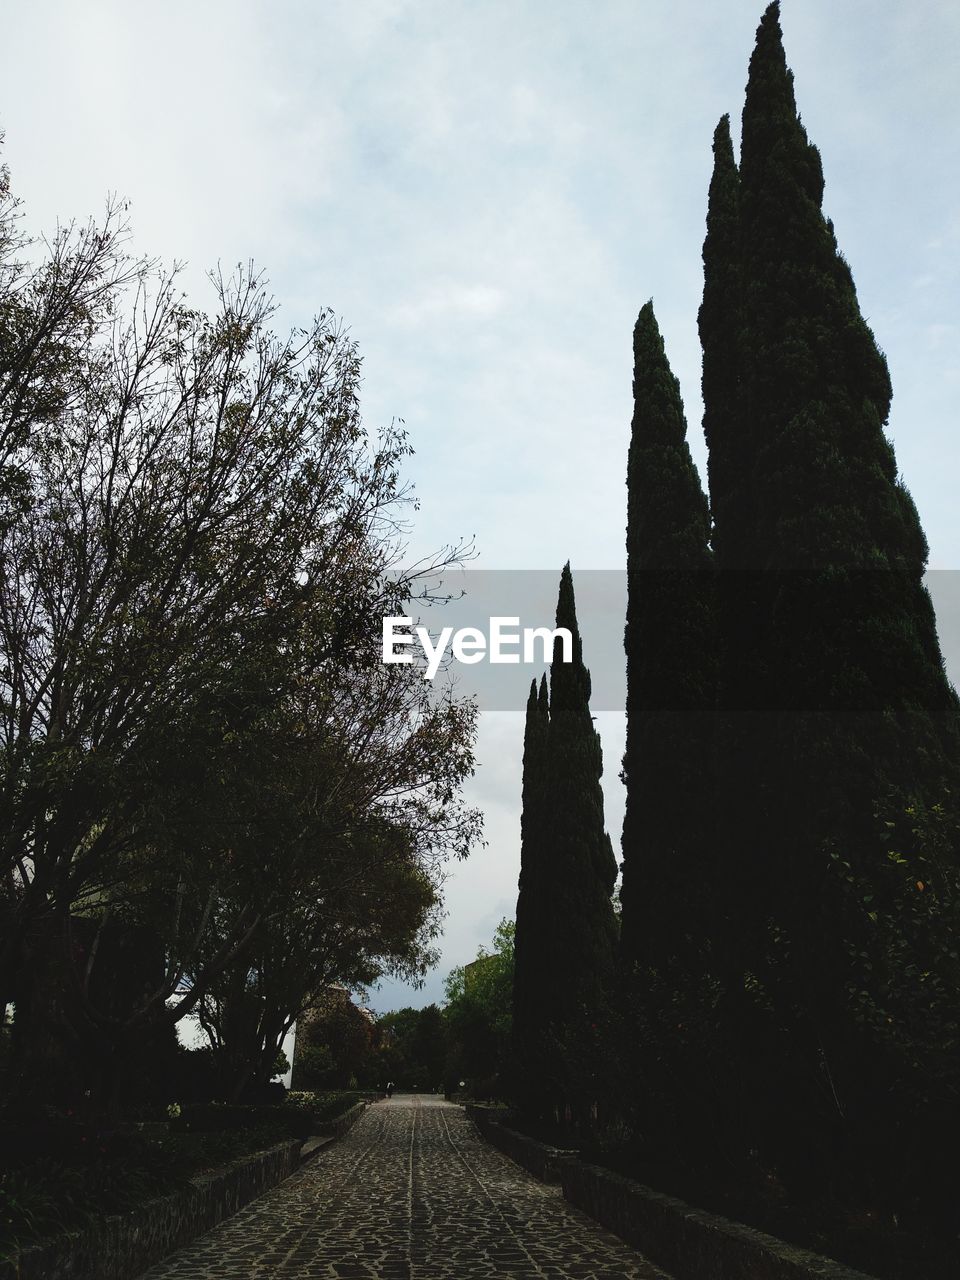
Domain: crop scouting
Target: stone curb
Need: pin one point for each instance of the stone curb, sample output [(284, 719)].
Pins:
[(543, 1161), (313, 1146), (339, 1125), (688, 1243)]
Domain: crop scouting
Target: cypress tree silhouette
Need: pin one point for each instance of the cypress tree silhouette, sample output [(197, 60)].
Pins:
[(838, 731), (583, 927), (719, 321), (566, 935), (742, 590), (668, 843), (530, 975)]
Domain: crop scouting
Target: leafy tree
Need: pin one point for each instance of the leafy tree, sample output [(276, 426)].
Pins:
[(336, 1044), (414, 1051), (368, 910), (478, 1017), (196, 553), (54, 305), (415, 1047), (368, 816), (429, 1046), (398, 1060)]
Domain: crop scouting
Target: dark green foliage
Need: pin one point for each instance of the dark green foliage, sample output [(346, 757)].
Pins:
[(671, 876), (530, 976), (335, 1046), (567, 931), (413, 1048), (429, 1046), (668, 846), (719, 320), (322, 1106), (200, 747), (396, 1031), (478, 1018), (837, 735), (65, 1042), (583, 867), (194, 1077), (59, 1174), (289, 1121), (791, 896)]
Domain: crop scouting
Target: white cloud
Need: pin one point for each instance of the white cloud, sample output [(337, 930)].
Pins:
[(447, 302)]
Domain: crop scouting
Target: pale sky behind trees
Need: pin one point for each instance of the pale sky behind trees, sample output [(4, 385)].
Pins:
[(487, 191)]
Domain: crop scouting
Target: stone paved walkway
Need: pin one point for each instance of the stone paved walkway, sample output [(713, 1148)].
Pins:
[(411, 1193)]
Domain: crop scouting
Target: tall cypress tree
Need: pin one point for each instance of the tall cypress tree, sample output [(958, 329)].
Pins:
[(833, 663), (583, 942), (668, 842), (530, 976), (719, 321), (849, 628), (566, 929), (740, 728)]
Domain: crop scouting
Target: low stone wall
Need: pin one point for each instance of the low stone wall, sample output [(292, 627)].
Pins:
[(371, 1095), (543, 1161), (339, 1125), (126, 1244), (686, 1242)]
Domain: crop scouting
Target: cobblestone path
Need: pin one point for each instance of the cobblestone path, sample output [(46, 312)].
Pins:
[(411, 1193)]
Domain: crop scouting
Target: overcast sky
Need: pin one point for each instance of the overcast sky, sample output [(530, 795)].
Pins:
[(487, 191)]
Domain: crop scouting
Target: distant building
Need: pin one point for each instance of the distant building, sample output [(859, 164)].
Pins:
[(473, 971), (331, 1040)]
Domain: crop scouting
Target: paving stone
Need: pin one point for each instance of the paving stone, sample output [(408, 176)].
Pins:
[(410, 1193)]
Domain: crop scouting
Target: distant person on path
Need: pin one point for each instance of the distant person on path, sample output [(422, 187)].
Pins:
[(389, 1088)]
